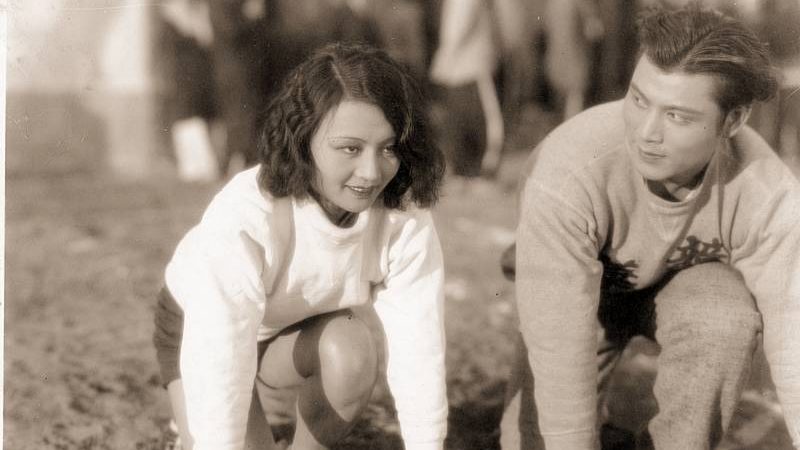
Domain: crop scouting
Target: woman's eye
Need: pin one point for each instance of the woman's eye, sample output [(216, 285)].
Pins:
[(390, 151), (350, 149)]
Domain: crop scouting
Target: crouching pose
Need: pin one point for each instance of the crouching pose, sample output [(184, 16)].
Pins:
[(661, 215), (271, 286)]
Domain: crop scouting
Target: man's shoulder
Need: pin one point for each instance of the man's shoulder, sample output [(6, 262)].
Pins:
[(603, 119), (753, 163), (586, 142), (588, 135)]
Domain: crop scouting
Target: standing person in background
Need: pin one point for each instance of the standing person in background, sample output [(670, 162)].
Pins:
[(778, 23), (572, 28), (186, 39), (402, 33), (257, 43), (660, 215), (519, 26), (464, 65), (271, 286), (238, 54)]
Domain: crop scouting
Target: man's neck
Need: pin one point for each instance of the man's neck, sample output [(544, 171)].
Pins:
[(675, 192)]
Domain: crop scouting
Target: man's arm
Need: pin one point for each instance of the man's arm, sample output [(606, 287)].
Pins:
[(558, 283), (769, 261)]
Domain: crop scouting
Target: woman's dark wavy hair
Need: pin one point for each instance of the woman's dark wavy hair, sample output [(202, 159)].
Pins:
[(697, 40), (332, 74)]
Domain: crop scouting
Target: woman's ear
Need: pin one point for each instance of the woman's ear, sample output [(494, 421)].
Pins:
[(735, 120)]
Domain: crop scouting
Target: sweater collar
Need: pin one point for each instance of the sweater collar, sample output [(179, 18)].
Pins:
[(310, 212)]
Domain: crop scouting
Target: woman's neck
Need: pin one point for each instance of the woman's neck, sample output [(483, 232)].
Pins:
[(340, 217)]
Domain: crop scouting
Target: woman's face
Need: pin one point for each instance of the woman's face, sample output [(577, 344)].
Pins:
[(354, 158)]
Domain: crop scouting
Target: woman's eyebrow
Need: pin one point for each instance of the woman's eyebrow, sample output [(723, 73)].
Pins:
[(345, 138), (388, 140)]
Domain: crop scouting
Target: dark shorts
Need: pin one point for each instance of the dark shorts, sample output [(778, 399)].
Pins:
[(167, 336)]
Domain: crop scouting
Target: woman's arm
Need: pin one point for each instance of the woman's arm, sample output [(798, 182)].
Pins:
[(215, 276), (410, 305)]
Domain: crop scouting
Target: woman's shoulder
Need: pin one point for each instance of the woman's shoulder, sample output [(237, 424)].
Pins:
[(243, 204), (407, 225), (410, 213)]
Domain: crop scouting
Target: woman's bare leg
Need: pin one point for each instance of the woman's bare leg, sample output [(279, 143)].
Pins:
[(332, 359)]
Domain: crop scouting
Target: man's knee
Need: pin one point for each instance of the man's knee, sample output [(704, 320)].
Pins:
[(707, 302)]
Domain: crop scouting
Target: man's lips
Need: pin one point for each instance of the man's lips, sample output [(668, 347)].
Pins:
[(651, 154)]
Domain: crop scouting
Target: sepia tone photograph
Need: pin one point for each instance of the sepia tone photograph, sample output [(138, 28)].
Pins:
[(401, 224)]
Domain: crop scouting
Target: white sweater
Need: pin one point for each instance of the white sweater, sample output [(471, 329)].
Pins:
[(583, 198), (255, 265)]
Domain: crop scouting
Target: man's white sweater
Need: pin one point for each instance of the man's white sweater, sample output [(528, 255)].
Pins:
[(584, 200)]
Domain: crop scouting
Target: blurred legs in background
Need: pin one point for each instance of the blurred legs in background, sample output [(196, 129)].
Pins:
[(190, 97), (238, 56), (464, 66)]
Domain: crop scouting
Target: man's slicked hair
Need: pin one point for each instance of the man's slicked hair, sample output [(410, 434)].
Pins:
[(696, 40)]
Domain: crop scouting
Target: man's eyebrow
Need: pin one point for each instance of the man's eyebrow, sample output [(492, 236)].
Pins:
[(636, 88), (687, 110), (684, 109)]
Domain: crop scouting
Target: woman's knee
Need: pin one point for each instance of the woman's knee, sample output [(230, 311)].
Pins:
[(347, 353)]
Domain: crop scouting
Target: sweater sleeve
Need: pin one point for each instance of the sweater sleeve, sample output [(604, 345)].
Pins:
[(410, 306), (215, 276), (558, 284), (769, 261)]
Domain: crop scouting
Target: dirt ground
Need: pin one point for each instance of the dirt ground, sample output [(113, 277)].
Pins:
[(84, 259)]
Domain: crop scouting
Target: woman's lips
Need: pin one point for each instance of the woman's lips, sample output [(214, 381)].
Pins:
[(362, 191)]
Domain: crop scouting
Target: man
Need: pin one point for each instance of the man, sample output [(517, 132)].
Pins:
[(662, 215)]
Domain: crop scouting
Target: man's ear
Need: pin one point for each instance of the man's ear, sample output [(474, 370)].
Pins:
[(735, 120)]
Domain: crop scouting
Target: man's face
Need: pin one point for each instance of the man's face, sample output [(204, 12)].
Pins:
[(673, 124)]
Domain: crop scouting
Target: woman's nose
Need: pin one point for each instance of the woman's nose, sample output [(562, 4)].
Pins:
[(368, 167)]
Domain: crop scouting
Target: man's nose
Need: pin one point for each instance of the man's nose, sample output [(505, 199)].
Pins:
[(651, 128)]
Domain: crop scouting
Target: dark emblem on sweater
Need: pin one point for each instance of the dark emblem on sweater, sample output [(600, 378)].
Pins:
[(617, 277), (694, 251)]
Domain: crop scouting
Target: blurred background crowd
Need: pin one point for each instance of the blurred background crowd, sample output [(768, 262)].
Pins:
[(186, 81), (483, 63)]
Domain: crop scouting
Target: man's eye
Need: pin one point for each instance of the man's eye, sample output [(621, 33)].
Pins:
[(639, 100), (678, 118)]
